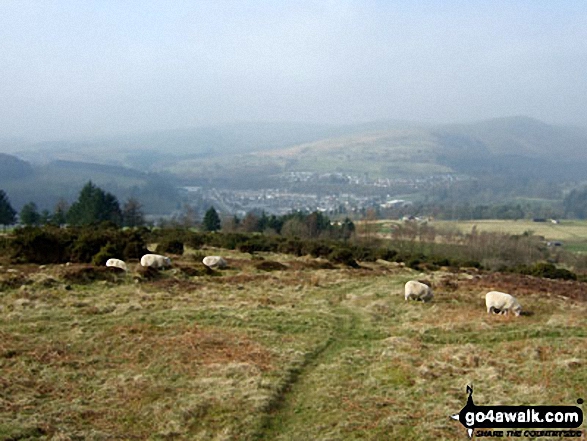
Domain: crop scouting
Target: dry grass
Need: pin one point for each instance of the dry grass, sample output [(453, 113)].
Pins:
[(303, 351)]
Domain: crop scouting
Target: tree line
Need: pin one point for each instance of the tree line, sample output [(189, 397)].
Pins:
[(93, 206)]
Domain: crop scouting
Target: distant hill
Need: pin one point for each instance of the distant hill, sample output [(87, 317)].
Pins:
[(523, 136), (12, 167), (504, 146), (515, 136), (505, 155), (154, 149), (46, 184)]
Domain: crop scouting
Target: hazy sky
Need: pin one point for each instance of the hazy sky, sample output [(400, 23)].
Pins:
[(75, 68)]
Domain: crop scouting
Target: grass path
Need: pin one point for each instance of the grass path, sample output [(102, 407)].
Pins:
[(286, 414)]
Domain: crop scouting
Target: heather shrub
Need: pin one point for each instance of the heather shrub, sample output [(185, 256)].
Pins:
[(135, 245), (108, 251), (546, 270), (229, 241), (363, 253), (343, 256), (270, 265), (196, 240), (90, 241), (257, 243), (170, 246), (292, 246), (386, 254), (317, 248), (89, 274), (41, 245)]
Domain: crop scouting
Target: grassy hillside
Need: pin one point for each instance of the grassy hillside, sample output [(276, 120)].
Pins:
[(295, 353), (523, 136), (157, 148), (512, 149), (382, 154), (397, 153)]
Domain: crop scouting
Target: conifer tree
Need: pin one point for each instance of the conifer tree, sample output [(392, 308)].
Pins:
[(7, 213), (29, 214), (94, 206), (211, 220), (59, 216)]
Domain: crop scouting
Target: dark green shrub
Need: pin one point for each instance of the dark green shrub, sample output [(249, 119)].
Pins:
[(470, 264), (270, 265), (343, 256), (258, 243), (41, 245), (317, 248), (414, 263), (364, 253), (195, 240), (229, 241), (441, 261), (4, 244), (90, 241), (135, 246), (386, 254), (170, 246), (108, 251), (291, 246), (546, 270)]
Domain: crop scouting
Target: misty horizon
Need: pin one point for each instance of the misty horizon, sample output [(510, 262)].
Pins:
[(78, 70)]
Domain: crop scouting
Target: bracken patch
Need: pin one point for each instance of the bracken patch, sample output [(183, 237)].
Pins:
[(526, 285), (186, 347), (88, 274)]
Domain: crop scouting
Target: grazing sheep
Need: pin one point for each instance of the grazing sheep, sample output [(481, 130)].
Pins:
[(116, 263), (418, 291), (502, 302), (155, 261), (214, 262)]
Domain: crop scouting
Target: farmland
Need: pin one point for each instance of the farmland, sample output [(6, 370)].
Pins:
[(565, 230), (275, 347), (571, 233)]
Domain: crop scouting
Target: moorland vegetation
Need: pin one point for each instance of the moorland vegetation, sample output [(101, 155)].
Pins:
[(280, 345)]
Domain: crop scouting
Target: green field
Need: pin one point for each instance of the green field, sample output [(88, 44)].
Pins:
[(572, 233), (572, 230), (307, 352)]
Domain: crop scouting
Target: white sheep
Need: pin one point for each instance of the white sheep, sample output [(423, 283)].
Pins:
[(155, 261), (116, 263), (214, 262), (502, 302), (418, 291)]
